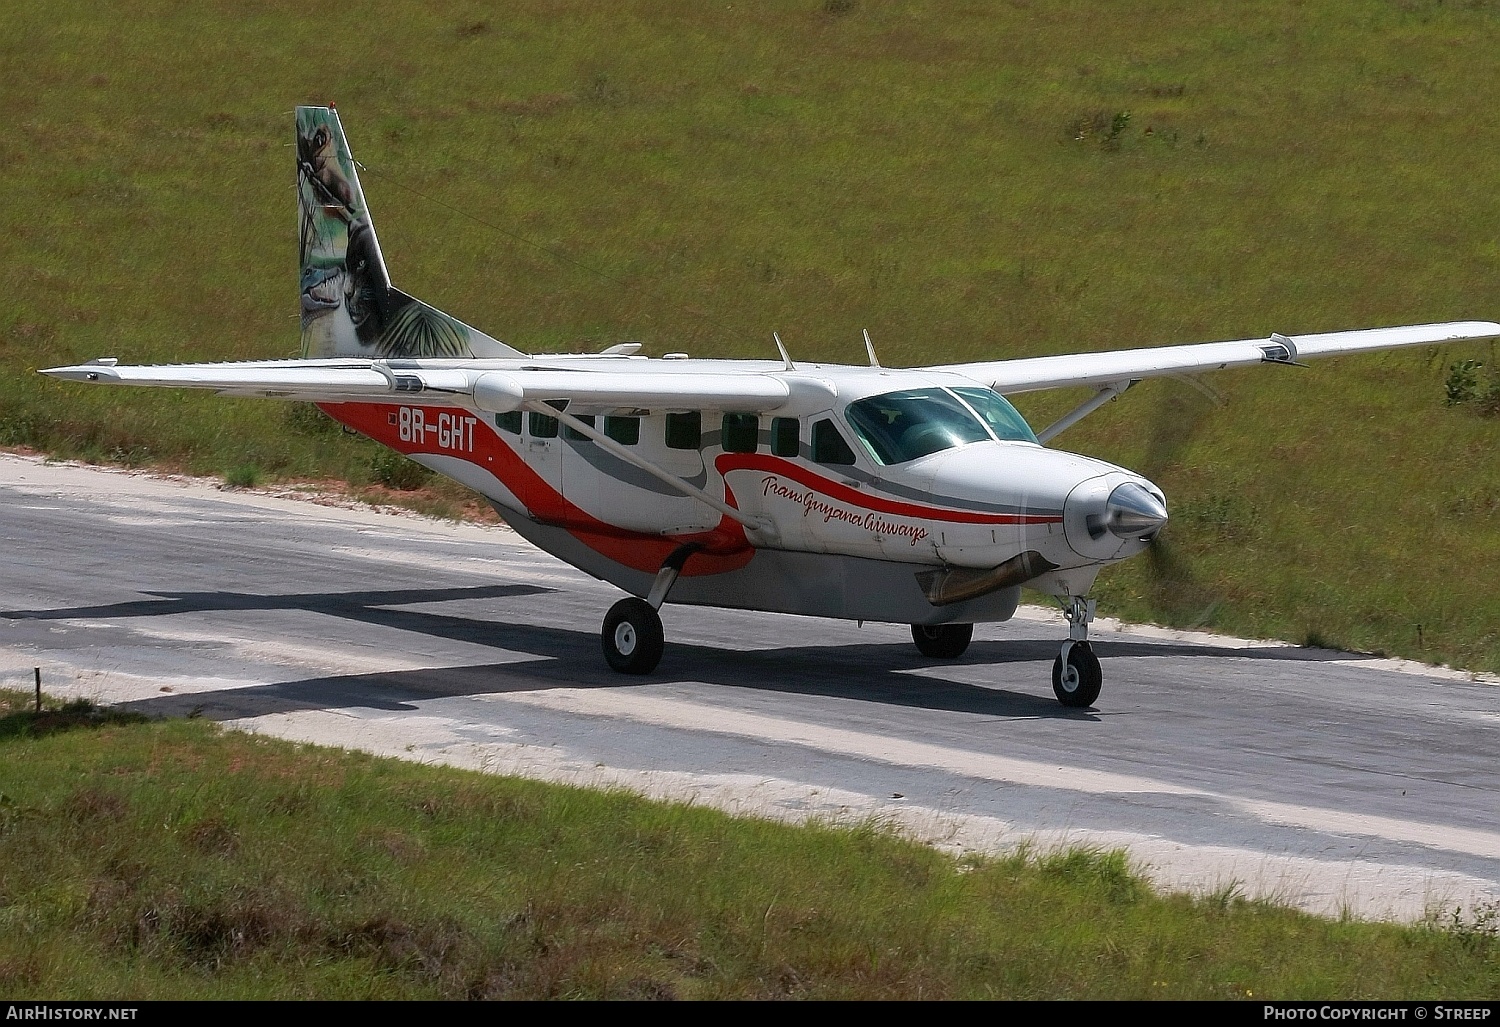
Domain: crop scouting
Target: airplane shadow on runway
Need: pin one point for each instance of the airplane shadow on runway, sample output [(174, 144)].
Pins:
[(336, 603), (550, 657)]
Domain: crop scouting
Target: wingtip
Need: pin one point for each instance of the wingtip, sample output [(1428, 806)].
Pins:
[(92, 372)]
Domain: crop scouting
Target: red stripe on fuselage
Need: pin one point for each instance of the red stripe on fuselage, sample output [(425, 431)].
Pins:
[(864, 500), (723, 549)]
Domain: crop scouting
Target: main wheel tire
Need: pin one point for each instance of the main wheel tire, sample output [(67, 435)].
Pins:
[(632, 637), (942, 641), (1078, 683)]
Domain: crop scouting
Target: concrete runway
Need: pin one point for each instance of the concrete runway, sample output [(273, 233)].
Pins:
[(1327, 780)]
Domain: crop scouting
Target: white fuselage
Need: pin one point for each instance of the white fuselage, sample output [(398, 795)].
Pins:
[(826, 495)]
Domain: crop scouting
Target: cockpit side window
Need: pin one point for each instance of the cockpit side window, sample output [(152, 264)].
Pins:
[(995, 410), (828, 445), (902, 426)]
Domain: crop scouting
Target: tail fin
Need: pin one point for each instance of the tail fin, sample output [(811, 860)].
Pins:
[(349, 307)]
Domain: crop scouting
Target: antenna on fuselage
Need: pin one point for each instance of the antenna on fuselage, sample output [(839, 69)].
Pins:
[(870, 349), (782, 349)]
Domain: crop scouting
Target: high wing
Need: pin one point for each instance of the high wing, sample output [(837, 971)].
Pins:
[(1120, 367), (495, 386), (504, 385)]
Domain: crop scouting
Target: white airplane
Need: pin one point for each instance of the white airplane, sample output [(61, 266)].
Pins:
[(906, 495)]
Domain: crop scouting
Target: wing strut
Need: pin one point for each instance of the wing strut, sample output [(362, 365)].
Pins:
[(1082, 410), (665, 477)]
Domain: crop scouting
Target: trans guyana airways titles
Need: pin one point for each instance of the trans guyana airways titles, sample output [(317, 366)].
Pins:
[(913, 495)]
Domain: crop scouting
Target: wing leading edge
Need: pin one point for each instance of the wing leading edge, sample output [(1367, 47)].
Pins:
[(1029, 374)]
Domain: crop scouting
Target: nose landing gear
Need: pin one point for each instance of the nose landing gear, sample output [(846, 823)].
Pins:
[(1076, 677)]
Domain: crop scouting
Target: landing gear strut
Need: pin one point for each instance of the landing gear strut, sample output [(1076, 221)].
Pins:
[(942, 641), (1076, 677)]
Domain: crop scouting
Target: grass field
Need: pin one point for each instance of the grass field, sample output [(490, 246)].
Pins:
[(965, 180), (168, 859)]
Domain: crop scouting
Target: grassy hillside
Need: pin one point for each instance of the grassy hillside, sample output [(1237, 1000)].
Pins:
[(964, 180), (166, 860)]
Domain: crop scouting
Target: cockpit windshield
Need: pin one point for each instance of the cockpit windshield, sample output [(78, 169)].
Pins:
[(995, 410), (902, 426)]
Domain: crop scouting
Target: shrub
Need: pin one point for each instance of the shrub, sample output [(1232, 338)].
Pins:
[(1107, 129), (1463, 381)]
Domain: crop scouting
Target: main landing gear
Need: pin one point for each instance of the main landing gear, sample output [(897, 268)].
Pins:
[(632, 635), (942, 641), (1076, 677)]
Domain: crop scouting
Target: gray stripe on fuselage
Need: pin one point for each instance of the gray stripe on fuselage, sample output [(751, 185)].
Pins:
[(892, 488), (612, 466)]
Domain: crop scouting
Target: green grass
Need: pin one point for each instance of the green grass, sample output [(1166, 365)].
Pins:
[(168, 859), (958, 179)]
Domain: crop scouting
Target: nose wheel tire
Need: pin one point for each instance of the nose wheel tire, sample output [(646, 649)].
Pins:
[(942, 641), (632, 637), (1076, 676)]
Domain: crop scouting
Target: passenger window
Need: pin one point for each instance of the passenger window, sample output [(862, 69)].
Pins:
[(573, 434), (684, 431), (510, 422), (542, 426), (784, 435), (828, 445), (624, 430), (741, 433)]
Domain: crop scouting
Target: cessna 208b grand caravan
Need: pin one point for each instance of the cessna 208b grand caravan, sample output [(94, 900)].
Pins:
[(916, 496)]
